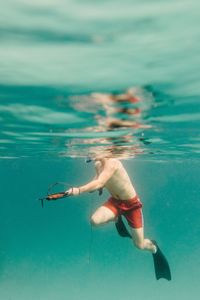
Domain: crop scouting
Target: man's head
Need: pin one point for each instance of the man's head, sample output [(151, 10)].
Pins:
[(114, 151), (99, 153)]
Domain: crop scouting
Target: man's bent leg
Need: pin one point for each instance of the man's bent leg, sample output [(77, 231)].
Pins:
[(102, 215), (139, 240)]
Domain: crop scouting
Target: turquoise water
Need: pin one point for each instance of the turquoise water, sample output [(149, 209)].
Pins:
[(53, 57)]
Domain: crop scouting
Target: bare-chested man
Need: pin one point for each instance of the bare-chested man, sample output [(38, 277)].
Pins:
[(124, 200), (111, 174)]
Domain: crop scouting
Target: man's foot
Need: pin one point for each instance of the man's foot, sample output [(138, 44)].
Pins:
[(154, 249)]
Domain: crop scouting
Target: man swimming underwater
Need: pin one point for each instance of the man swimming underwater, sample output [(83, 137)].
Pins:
[(124, 200), (111, 174)]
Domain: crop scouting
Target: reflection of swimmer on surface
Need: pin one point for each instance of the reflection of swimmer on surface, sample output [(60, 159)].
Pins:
[(123, 201), (129, 96), (122, 105), (114, 112), (114, 103), (113, 123)]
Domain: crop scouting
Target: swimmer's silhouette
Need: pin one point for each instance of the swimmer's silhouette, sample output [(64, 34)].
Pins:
[(123, 201)]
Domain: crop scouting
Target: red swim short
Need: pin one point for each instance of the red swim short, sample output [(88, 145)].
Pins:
[(130, 209)]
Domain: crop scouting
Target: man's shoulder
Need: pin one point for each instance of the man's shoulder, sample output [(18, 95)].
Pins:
[(113, 162)]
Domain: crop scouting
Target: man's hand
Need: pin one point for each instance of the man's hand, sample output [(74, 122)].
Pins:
[(73, 191)]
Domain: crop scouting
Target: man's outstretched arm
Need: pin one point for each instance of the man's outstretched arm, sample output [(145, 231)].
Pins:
[(97, 183)]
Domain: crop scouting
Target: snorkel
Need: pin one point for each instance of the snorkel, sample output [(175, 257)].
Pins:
[(88, 159)]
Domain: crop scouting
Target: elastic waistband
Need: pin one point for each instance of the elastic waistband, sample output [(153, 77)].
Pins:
[(133, 203), (129, 201)]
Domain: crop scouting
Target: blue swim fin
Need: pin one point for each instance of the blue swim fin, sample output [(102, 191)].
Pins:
[(121, 228), (161, 266)]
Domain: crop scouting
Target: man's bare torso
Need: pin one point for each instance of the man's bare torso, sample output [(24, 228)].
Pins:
[(119, 184)]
